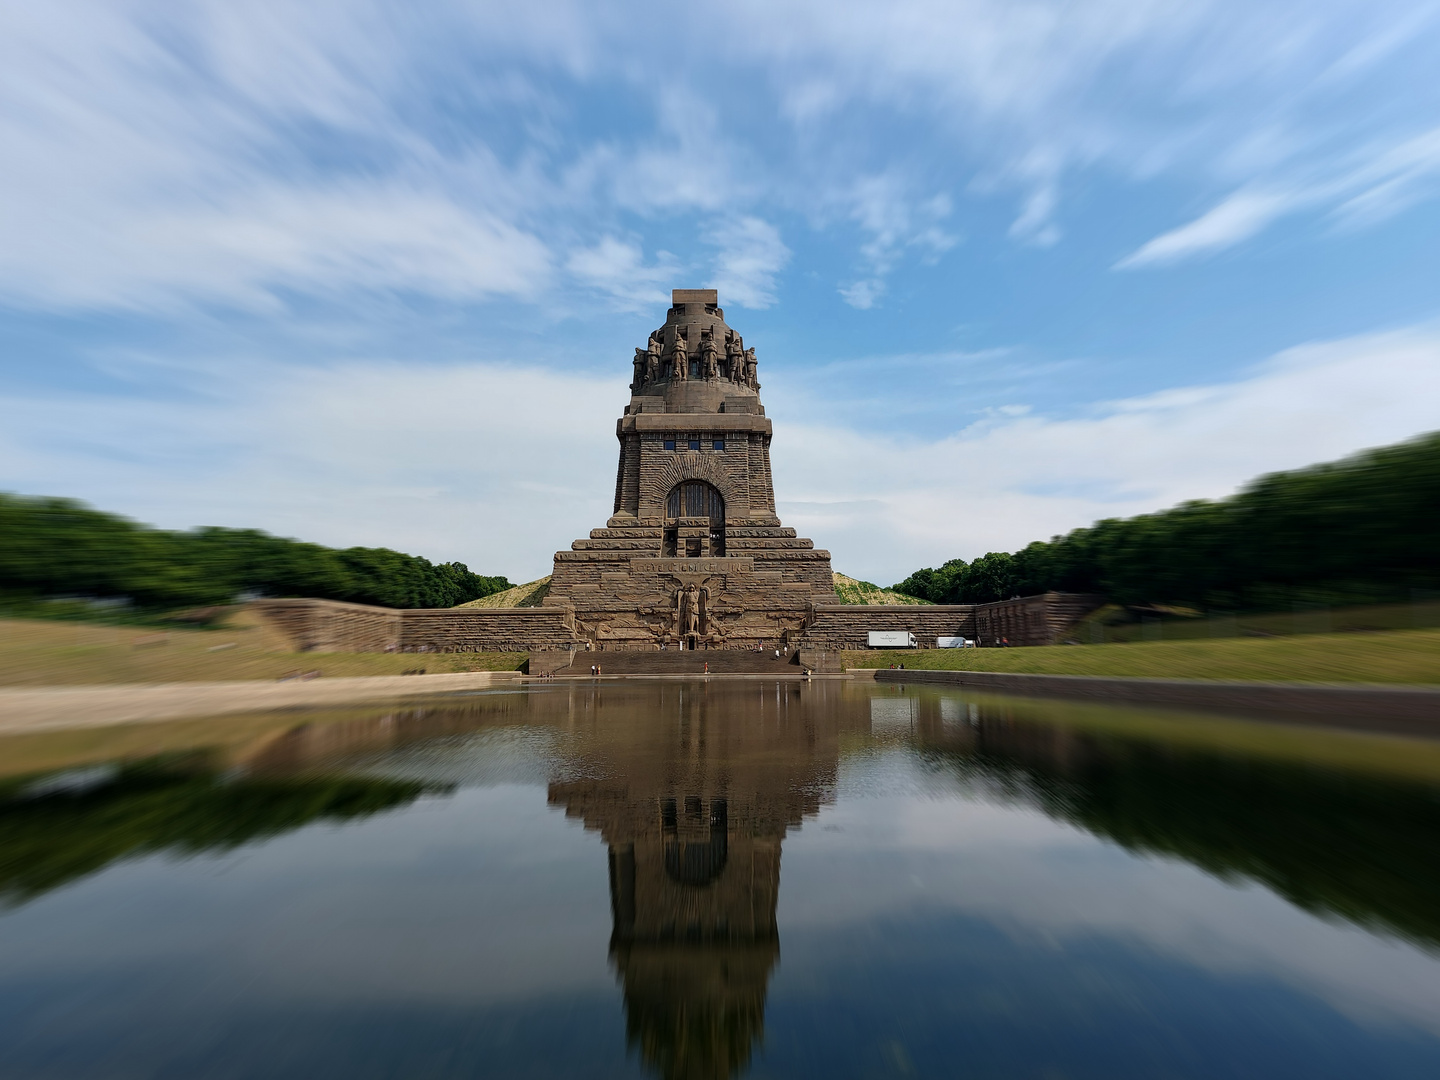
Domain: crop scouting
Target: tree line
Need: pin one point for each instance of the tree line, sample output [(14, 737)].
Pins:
[(59, 547), (1362, 530)]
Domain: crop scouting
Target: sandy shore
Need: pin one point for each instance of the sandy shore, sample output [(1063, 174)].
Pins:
[(60, 707)]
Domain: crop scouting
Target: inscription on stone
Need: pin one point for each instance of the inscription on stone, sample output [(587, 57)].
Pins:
[(693, 566)]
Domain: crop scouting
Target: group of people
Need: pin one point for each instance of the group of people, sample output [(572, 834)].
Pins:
[(738, 364)]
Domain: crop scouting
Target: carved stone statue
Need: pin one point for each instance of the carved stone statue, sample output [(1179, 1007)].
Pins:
[(752, 379), (687, 610), (709, 359), (679, 359), (692, 614), (734, 359), (652, 359), (640, 379)]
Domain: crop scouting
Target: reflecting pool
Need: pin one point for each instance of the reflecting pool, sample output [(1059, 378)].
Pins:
[(586, 880)]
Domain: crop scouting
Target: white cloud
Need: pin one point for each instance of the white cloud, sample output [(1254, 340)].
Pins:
[(618, 269), (863, 294), (153, 162), (1035, 224), (236, 153), (1238, 218), (751, 254), (895, 219), (1387, 179)]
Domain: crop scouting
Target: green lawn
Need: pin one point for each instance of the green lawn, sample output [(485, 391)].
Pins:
[(1418, 615), (1395, 656), (35, 652)]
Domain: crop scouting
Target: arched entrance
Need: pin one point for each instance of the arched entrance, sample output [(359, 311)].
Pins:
[(703, 508)]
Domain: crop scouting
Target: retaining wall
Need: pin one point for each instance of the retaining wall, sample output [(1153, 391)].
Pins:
[(1032, 620), (332, 626)]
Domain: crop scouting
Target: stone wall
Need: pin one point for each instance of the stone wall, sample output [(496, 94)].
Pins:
[(840, 627), (1031, 620), (778, 615), (486, 629), (332, 626)]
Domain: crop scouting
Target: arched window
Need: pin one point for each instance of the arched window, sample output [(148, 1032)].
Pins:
[(694, 499)]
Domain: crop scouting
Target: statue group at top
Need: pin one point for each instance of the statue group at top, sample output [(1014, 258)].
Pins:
[(653, 364)]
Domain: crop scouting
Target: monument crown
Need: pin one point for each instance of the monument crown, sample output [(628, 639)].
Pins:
[(695, 361)]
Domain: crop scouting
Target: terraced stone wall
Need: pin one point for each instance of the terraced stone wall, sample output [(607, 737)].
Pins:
[(331, 626)]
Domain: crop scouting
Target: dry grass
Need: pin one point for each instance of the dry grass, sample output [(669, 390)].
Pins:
[(531, 594), (852, 591), (1396, 656), (34, 652)]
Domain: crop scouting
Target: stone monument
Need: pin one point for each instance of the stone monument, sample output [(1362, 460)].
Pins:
[(693, 556)]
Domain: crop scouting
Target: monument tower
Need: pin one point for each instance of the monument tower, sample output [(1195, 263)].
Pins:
[(693, 555)]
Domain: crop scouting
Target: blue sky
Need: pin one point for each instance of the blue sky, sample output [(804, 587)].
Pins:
[(372, 274)]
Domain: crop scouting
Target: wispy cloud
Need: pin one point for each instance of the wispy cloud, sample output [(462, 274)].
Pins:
[(237, 153), (895, 221), (751, 255), (1387, 179), (617, 268), (1238, 218), (862, 295)]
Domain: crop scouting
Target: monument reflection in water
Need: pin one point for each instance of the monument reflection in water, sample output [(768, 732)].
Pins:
[(693, 808), (992, 885)]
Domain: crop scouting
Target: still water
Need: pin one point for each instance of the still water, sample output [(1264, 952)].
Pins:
[(722, 879)]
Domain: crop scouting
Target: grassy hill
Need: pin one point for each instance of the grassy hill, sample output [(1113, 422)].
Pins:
[(531, 594), (851, 591), (863, 592), (37, 652)]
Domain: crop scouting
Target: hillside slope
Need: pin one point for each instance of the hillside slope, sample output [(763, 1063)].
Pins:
[(531, 594), (851, 591), (863, 592)]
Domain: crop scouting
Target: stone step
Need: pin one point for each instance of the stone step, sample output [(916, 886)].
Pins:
[(678, 662)]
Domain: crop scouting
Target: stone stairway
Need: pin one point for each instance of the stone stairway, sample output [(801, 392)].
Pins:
[(675, 662)]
